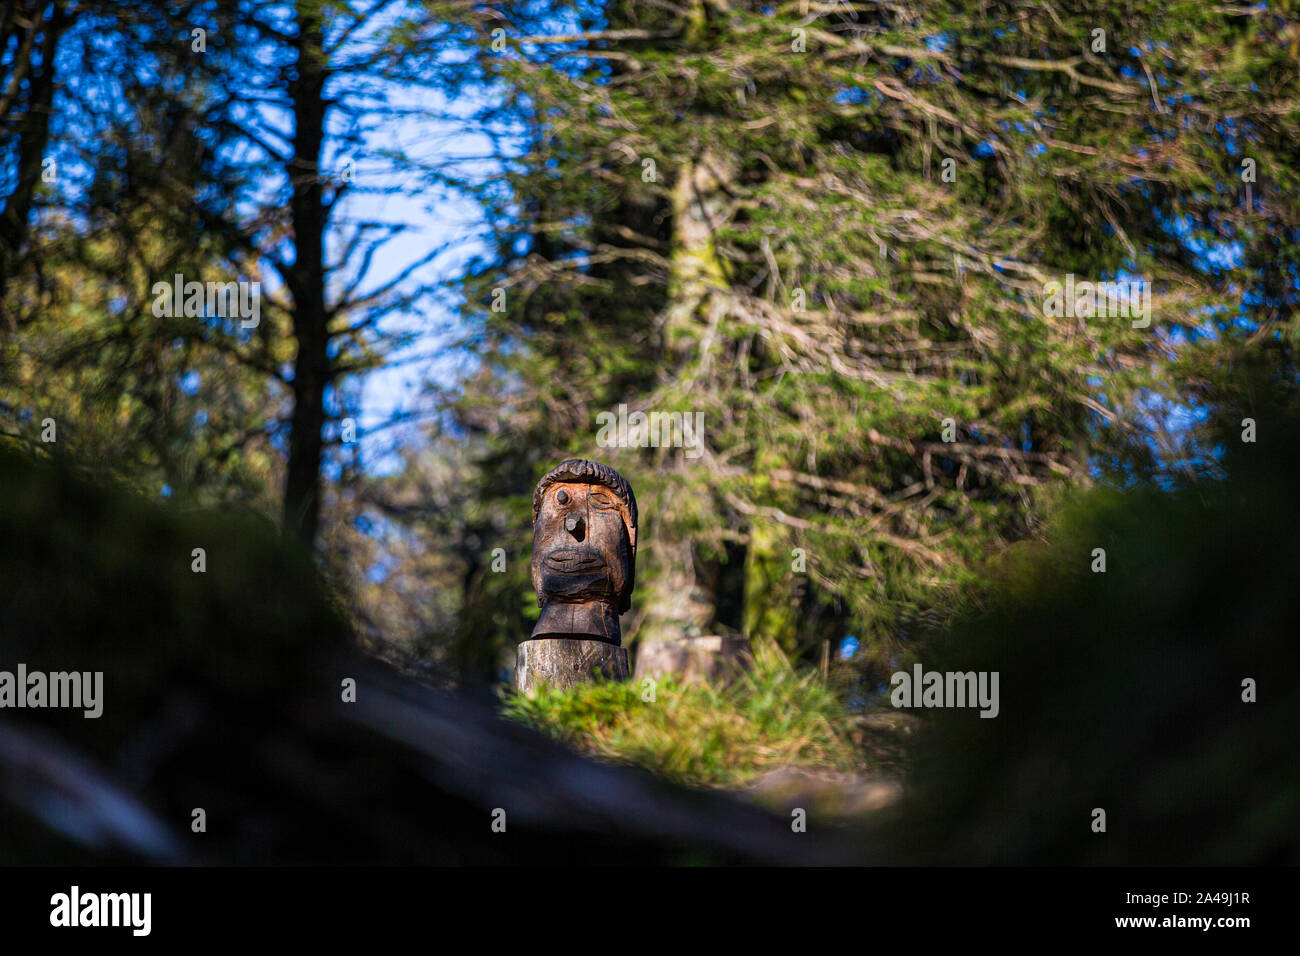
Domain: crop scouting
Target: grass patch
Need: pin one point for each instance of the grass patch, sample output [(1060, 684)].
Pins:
[(705, 735)]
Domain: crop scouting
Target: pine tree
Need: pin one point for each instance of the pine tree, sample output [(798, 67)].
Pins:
[(837, 230)]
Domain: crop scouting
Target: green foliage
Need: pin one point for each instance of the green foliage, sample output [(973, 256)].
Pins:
[(96, 361), (704, 733), (191, 402), (745, 278)]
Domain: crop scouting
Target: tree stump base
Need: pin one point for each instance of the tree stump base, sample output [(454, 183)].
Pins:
[(715, 658), (564, 662)]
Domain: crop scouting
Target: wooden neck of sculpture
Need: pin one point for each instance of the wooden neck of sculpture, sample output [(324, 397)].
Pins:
[(593, 621)]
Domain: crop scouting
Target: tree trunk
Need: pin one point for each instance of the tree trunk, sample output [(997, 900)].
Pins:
[(676, 604), (33, 131), (306, 280), (771, 600), (717, 657)]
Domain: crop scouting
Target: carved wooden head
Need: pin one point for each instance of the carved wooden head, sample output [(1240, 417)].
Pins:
[(584, 550)]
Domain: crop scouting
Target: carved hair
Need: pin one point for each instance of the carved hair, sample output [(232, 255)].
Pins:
[(593, 472)]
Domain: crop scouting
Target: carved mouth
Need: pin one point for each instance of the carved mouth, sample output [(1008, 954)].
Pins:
[(574, 560)]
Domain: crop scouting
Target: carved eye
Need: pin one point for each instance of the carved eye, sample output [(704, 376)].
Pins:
[(562, 496), (602, 501)]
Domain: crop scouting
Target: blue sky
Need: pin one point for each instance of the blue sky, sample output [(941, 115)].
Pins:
[(434, 219)]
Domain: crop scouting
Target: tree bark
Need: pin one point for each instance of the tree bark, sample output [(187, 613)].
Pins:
[(306, 280)]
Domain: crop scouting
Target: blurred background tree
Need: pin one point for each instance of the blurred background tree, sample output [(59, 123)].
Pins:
[(828, 227)]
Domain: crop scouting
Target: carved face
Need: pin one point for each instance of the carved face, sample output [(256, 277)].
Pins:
[(581, 546)]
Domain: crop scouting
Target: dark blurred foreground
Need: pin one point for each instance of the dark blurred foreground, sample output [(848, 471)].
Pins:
[(223, 691), (1123, 691)]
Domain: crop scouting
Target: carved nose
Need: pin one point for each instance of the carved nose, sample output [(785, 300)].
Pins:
[(575, 526)]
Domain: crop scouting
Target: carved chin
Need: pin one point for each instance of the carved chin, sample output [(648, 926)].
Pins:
[(572, 588)]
